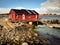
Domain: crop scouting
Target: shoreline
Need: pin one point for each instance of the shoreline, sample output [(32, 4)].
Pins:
[(48, 15), (54, 25)]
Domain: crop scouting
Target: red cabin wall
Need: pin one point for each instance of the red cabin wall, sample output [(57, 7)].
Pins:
[(27, 17), (12, 15), (19, 17), (31, 17)]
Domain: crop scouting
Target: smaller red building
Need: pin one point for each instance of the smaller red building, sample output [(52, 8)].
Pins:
[(23, 15)]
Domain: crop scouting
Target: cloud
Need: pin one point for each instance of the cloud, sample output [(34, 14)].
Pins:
[(19, 8), (41, 10), (4, 10), (49, 6)]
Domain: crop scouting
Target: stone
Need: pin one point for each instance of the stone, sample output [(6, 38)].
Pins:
[(24, 43)]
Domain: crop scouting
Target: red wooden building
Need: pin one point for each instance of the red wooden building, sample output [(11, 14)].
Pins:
[(23, 15)]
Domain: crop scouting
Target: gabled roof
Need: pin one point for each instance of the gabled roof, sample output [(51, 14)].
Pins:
[(31, 11), (24, 11), (35, 12), (17, 11)]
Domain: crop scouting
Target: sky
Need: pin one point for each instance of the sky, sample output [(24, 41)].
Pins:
[(41, 6)]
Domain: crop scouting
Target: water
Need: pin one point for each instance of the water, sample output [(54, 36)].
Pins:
[(51, 34), (48, 30), (50, 17)]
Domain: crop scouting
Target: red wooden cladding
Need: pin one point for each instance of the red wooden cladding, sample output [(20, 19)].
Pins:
[(21, 15)]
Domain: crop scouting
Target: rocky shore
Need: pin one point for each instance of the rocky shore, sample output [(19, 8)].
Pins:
[(20, 35)]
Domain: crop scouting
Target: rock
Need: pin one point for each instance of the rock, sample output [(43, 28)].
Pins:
[(1, 27), (20, 35), (24, 43)]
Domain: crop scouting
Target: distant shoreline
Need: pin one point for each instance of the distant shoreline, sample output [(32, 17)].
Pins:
[(49, 15)]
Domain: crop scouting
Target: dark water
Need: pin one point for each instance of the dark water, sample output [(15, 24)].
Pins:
[(51, 34), (48, 30), (50, 17), (51, 31)]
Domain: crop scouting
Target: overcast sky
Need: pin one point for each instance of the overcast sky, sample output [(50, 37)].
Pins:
[(41, 6)]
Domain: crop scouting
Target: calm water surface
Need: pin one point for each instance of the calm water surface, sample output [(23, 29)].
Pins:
[(48, 30), (50, 17)]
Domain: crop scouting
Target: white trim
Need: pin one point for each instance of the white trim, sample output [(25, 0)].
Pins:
[(36, 16), (23, 17)]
